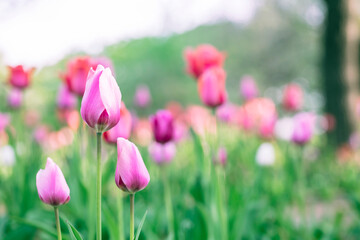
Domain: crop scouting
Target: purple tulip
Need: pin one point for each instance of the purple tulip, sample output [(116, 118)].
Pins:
[(162, 153), (142, 96), (66, 99), (51, 185), (15, 98), (131, 174), (163, 126), (100, 106), (304, 124), (248, 88)]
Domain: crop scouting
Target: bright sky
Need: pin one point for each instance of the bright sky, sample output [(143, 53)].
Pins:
[(41, 32)]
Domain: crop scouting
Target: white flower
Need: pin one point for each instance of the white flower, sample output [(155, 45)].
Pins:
[(265, 155), (284, 128), (7, 156)]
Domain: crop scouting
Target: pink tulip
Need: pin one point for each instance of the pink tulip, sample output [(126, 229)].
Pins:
[(122, 129), (162, 153), (248, 88), (4, 121), (226, 112), (142, 96), (211, 87), (51, 185), (202, 58), (76, 74), (100, 106), (66, 99), (131, 174), (292, 97), (19, 77), (163, 126), (304, 125), (15, 98), (221, 157)]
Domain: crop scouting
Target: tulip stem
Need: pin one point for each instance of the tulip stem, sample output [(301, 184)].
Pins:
[(98, 187), (132, 196), (168, 206), (57, 219)]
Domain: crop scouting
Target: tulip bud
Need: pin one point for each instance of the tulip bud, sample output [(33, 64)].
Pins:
[(162, 124), (100, 106), (203, 57), (211, 87), (51, 185), (122, 128), (221, 157), (142, 96), (19, 77), (248, 88), (265, 155), (15, 98), (76, 74), (162, 153), (293, 97), (131, 174), (304, 125), (65, 99)]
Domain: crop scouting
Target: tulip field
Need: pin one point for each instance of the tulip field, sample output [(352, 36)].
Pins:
[(92, 156)]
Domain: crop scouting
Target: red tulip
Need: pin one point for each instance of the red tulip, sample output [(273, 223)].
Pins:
[(211, 87), (122, 129), (76, 74), (19, 77)]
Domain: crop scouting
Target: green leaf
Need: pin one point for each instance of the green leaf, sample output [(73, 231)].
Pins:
[(140, 226), (34, 224), (74, 234)]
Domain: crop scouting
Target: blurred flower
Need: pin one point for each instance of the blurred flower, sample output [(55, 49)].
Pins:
[(65, 99), (122, 128), (162, 153), (200, 119), (32, 118), (304, 124), (4, 121), (202, 58), (104, 61), (7, 156), (284, 128), (175, 108), (265, 155), (142, 97), (19, 77), (344, 153), (221, 157), (227, 112), (15, 98), (40, 134), (211, 87), (248, 88), (292, 97), (142, 132), (180, 130), (100, 106), (51, 185), (76, 74), (354, 141), (131, 174), (162, 126)]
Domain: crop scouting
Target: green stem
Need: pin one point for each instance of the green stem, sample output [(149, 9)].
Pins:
[(120, 216), (168, 205), (57, 219), (98, 187), (132, 196)]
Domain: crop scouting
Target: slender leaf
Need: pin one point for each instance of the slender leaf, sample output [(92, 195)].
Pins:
[(140, 226), (74, 234)]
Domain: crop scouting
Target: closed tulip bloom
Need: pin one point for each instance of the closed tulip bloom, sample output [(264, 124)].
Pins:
[(51, 185), (76, 74), (304, 126), (211, 87), (162, 153), (293, 97), (131, 174), (122, 128), (142, 96), (100, 106), (201, 58), (19, 77), (248, 88), (162, 124), (15, 98), (66, 99), (265, 155)]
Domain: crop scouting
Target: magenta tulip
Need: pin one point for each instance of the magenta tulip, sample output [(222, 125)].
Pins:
[(19, 77), (292, 97), (131, 174), (303, 129), (162, 124), (15, 98), (100, 106), (248, 88), (51, 185), (122, 129), (211, 87), (162, 153), (142, 96), (221, 157), (66, 99)]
